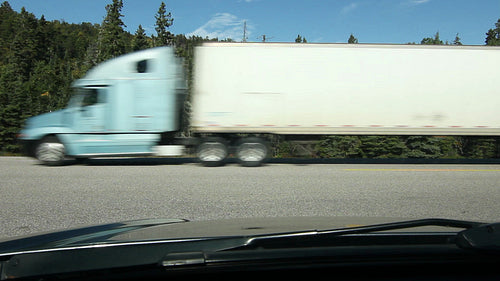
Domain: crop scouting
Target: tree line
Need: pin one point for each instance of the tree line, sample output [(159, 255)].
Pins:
[(39, 60)]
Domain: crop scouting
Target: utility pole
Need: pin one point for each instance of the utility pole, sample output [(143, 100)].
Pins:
[(245, 32)]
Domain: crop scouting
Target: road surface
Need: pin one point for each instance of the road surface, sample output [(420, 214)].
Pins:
[(37, 198)]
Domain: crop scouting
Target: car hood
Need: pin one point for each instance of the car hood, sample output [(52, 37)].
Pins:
[(172, 229)]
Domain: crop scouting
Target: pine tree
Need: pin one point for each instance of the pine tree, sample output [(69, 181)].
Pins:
[(339, 147), (140, 41), (457, 40), (111, 37), (300, 39), (163, 22), (432, 41), (352, 40), (423, 147), (493, 35), (8, 28), (481, 148), (382, 146), (23, 49), (11, 99)]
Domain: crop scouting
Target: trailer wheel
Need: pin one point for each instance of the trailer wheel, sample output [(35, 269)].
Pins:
[(212, 152), (50, 151), (252, 151)]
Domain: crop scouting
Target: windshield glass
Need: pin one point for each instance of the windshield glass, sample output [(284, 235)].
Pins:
[(360, 110)]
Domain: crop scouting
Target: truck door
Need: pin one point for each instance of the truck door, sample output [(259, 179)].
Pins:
[(91, 121), (92, 110)]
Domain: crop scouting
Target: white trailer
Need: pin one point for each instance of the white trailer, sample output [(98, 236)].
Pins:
[(350, 89)]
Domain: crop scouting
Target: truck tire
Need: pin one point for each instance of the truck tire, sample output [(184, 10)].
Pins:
[(252, 151), (212, 152), (50, 151)]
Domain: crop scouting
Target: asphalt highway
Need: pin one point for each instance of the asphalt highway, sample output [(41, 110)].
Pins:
[(36, 198)]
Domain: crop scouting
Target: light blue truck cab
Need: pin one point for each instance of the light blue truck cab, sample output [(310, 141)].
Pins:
[(126, 106)]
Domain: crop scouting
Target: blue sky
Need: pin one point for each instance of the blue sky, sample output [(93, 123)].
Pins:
[(325, 21)]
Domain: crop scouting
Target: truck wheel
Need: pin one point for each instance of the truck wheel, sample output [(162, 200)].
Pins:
[(50, 151), (212, 152), (252, 151)]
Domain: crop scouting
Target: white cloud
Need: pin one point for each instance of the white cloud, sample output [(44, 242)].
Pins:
[(316, 40), (418, 2), (223, 26), (349, 8)]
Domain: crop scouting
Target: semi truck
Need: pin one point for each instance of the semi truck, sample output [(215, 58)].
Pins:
[(244, 93)]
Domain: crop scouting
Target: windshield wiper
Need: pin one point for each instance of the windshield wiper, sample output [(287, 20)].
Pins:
[(260, 241), (406, 225)]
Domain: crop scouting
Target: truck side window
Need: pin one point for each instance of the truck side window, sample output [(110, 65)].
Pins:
[(93, 96), (142, 66), (90, 97)]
